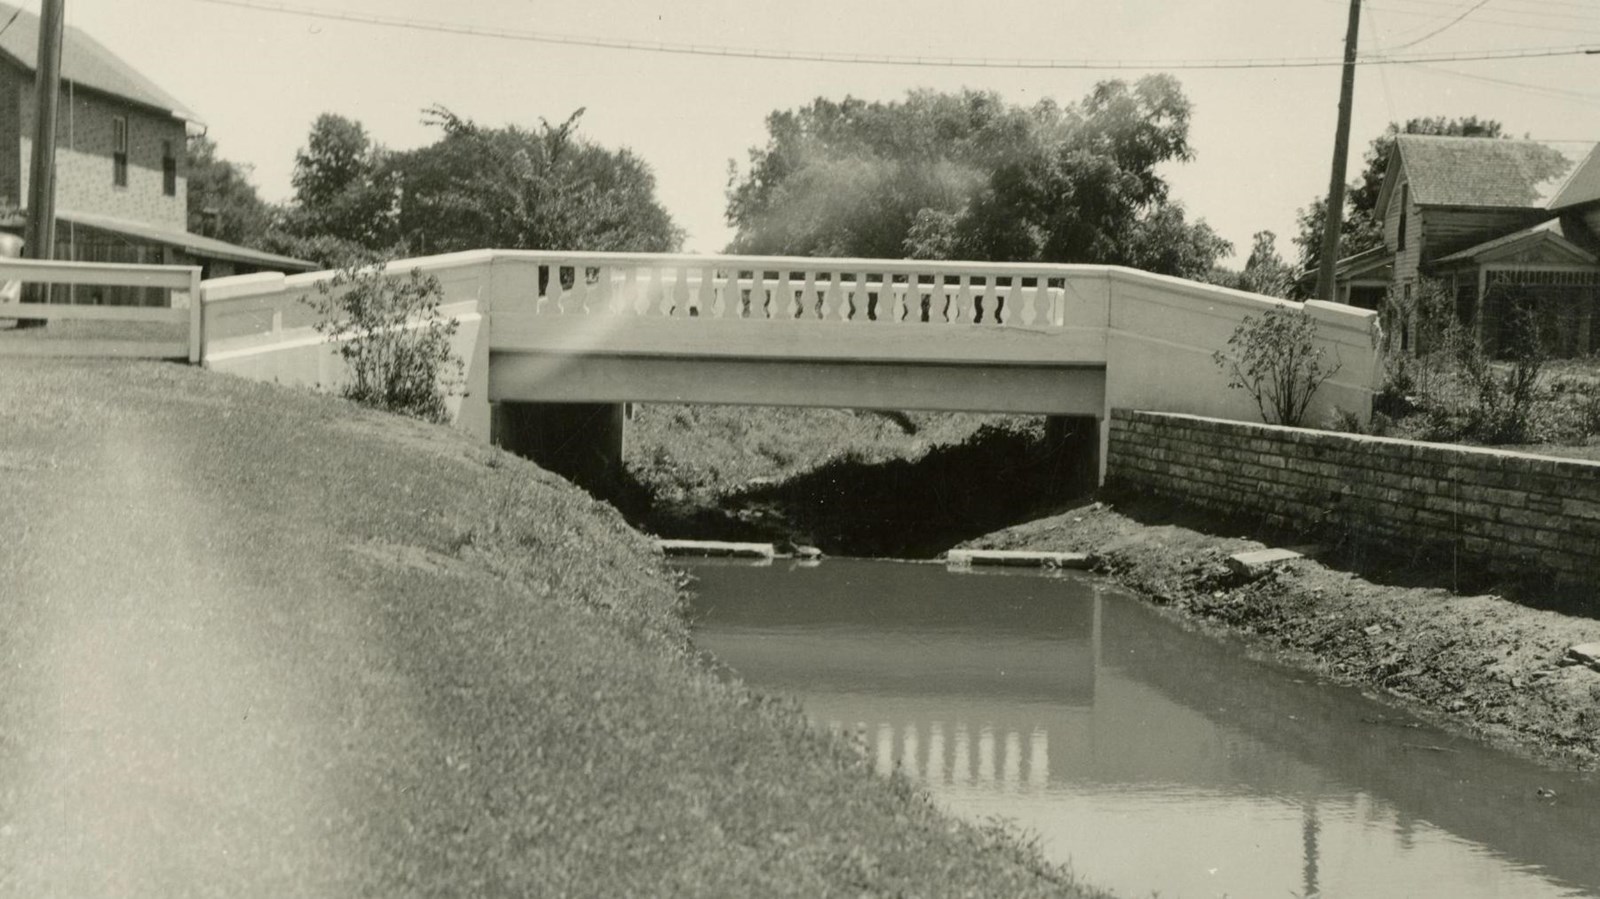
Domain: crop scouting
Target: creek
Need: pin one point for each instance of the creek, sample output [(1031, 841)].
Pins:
[(1147, 756)]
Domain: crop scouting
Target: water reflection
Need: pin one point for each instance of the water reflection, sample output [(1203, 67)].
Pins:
[(1158, 758)]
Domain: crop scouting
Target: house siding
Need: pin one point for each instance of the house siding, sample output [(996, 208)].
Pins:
[(1405, 260), (84, 155), (1452, 229), (10, 136)]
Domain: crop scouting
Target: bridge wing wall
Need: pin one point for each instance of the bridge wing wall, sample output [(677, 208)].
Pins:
[(262, 327), (1162, 332)]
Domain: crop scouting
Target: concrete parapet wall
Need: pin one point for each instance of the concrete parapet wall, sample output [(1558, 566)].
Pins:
[(1505, 513), (261, 327)]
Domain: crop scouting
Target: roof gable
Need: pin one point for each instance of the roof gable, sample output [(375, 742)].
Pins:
[(1583, 185), (85, 61), (1546, 242), (1476, 171)]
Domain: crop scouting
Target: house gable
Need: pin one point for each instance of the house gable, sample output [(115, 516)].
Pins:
[(1541, 245)]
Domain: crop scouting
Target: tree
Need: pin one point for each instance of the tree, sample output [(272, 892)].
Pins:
[(345, 197), (967, 175), (222, 201), (473, 188), (513, 188), (1359, 230), (1265, 272)]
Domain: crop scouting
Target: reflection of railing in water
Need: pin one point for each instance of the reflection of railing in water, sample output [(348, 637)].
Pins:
[(958, 755)]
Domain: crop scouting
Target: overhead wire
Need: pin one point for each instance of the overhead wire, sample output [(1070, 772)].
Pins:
[(831, 57)]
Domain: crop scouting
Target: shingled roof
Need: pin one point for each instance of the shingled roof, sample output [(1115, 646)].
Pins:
[(1475, 171), (84, 61)]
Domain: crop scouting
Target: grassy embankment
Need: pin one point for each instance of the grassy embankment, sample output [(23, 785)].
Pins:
[(572, 741)]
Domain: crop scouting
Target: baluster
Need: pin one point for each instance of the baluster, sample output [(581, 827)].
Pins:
[(565, 296), (626, 289), (961, 302), (680, 292), (809, 302), (544, 303), (706, 294), (1057, 297), (604, 296), (756, 306), (661, 291), (1030, 302), (861, 300), (719, 297), (577, 300), (832, 298), (783, 303), (1008, 304)]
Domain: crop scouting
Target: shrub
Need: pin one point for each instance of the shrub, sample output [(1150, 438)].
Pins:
[(392, 338), (1502, 407), (1275, 358)]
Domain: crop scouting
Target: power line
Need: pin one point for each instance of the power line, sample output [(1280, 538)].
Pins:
[(1592, 100), (1446, 26), (874, 59)]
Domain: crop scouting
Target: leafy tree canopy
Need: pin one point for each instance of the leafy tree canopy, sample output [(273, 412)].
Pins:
[(222, 201), (1359, 229), (473, 188), (514, 188), (965, 175)]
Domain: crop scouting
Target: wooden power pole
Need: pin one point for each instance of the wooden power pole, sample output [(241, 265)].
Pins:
[(41, 229), (1333, 221)]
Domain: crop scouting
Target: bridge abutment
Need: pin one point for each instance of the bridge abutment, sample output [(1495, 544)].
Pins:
[(1074, 444), (582, 442)]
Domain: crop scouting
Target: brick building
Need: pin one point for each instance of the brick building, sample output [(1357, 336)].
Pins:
[(121, 184)]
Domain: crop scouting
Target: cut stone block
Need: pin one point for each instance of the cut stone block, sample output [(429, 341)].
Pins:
[(1260, 560), (1584, 654), (717, 548), (1018, 558)]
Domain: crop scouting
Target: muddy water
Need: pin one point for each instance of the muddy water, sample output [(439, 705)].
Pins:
[(1148, 757)]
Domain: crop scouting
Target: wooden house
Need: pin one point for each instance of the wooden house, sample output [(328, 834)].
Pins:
[(1503, 224)]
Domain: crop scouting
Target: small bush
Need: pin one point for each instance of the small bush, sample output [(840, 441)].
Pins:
[(392, 337), (1275, 358)]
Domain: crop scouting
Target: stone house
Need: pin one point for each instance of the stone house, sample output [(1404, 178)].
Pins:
[(1503, 224), (121, 183)]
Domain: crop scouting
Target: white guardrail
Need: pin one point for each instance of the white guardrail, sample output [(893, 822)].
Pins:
[(182, 308)]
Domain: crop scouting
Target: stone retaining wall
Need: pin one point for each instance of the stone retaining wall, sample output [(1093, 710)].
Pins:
[(1504, 513)]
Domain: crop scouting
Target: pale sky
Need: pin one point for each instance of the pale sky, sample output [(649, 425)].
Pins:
[(1262, 137)]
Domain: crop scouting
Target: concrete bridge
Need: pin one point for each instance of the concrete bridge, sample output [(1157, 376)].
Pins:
[(557, 343)]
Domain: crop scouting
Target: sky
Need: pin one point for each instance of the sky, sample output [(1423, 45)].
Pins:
[(1262, 137)]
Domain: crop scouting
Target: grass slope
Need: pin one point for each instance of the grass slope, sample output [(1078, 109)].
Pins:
[(513, 704)]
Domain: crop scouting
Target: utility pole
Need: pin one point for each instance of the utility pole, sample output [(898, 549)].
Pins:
[(40, 241), (1334, 220)]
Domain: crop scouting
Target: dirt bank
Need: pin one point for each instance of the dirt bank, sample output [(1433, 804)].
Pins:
[(1480, 664)]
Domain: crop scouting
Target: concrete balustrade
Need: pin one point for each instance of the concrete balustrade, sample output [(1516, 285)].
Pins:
[(597, 329)]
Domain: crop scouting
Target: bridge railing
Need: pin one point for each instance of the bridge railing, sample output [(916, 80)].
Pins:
[(862, 291)]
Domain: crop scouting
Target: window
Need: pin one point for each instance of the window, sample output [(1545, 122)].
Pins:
[(1405, 204), (169, 170), (119, 151)]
